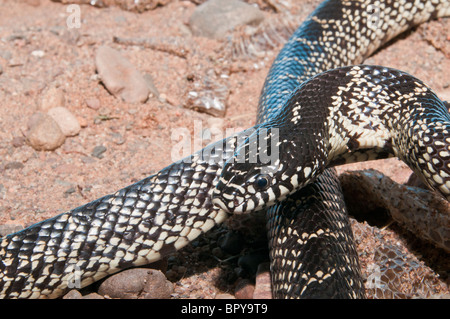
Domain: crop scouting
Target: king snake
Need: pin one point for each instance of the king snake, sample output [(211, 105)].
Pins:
[(321, 113)]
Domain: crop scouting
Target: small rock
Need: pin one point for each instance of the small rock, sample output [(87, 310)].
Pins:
[(53, 97), (14, 165), (172, 275), (118, 138), (18, 141), (93, 103), (244, 289), (98, 151), (120, 77), (83, 122), (263, 286), (44, 134), (214, 18), (69, 191), (38, 53), (73, 294), (1, 69), (137, 283), (66, 120), (207, 93), (87, 160), (162, 98)]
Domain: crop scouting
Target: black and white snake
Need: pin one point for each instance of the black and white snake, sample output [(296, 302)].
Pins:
[(359, 113)]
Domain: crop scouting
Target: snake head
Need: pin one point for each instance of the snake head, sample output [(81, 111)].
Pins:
[(242, 188), (251, 179)]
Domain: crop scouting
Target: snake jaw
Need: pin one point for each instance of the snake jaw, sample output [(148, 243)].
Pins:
[(229, 195), (231, 206), (238, 192)]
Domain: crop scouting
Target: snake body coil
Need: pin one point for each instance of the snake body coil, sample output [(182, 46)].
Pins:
[(164, 212), (371, 113)]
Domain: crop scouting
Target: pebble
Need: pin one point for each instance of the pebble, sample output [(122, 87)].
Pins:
[(98, 151), (44, 134), (14, 165), (83, 122), (38, 53), (93, 103), (120, 77), (73, 294), (87, 160), (172, 275), (263, 286), (69, 191), (18, 141), (52, 97), (207, 93), (138, 283), (244, 289), (214, 18), (66, 120), (118, 138)]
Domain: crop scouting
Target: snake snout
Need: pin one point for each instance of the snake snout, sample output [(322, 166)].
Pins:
[(228, 201)]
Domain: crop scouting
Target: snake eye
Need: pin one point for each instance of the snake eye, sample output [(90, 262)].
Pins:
[(262, 182)]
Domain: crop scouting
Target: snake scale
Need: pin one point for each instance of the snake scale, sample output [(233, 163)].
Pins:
[(311, 242)]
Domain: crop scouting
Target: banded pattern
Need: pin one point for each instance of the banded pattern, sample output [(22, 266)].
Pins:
[(163, 212), (339, 33), (304, 232), (341, 116)]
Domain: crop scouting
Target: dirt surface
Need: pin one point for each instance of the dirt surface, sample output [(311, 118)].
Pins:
[(39, 52)]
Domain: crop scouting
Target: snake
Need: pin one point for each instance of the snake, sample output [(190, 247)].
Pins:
[(372, 113), (310, 240)]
